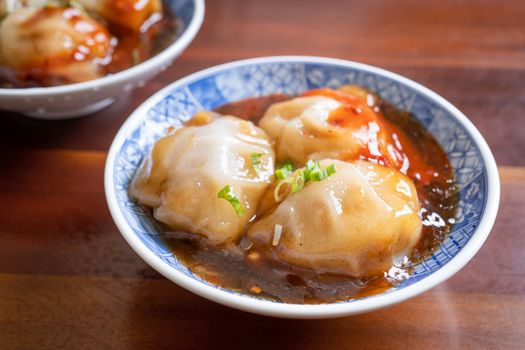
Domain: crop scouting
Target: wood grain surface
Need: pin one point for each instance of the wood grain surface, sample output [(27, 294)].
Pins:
[(68, 280)]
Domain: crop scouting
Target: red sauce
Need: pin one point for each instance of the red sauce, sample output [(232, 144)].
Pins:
[(254, 273), (382, 140)]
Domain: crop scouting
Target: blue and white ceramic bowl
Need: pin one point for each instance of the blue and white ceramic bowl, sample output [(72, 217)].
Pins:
[(468, 152), (81, 99)]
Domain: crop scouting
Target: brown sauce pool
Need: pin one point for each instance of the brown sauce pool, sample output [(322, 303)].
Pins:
[(253, 273)]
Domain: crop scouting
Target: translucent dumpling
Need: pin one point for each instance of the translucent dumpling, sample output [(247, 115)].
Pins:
[(130, 14), (356, 222), (186, 170), (325, 123), (301, 132), (52, 46), (134, 15)]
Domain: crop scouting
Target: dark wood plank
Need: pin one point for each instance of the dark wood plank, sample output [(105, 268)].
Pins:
[(54, 218), (43, 312), (69, 280), (468, 33)]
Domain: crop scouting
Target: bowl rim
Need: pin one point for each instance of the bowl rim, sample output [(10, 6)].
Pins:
[(175, 48), (263, 307)]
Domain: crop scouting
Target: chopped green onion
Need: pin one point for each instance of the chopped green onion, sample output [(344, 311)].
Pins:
[(288, 164), (309, 164), (311, 172), (330, 170), (319, 175), (285, 170), (313, 166), (307, 175), (227, 194), (282, 173), (277, 189), (298, 182), (256, 162)]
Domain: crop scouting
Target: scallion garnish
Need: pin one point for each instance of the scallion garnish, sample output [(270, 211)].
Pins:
[(311, 172), (256, 162), (319, 175), (298, 182), (227, 193), (288, 164), (277, 189), (312, 166), (282, 173), (285, 170), (330, 170)]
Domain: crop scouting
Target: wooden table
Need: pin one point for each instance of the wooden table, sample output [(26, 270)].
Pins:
[(69, 280)]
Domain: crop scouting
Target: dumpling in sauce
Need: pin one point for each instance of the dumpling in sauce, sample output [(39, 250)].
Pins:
[(186, 170), (52, 46), (345, 125), (356, 222), (129, 14), (301, 132)]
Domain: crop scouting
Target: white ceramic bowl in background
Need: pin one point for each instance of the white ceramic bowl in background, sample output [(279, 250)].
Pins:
[(474, 167), (76, 100)]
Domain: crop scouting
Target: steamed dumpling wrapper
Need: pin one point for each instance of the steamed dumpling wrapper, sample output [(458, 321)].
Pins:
[(301, 132), (356, 222), (52, 46), (322, 124), (186, 170), (133, 15), (346, 125)]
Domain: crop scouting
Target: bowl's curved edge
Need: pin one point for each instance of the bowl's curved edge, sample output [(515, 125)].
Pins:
[(269, 308)]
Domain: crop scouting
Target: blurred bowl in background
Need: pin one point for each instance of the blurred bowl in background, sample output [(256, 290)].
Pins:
[(81, 99)]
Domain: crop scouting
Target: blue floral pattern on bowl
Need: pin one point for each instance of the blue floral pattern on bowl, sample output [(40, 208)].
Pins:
[(247, 79)]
